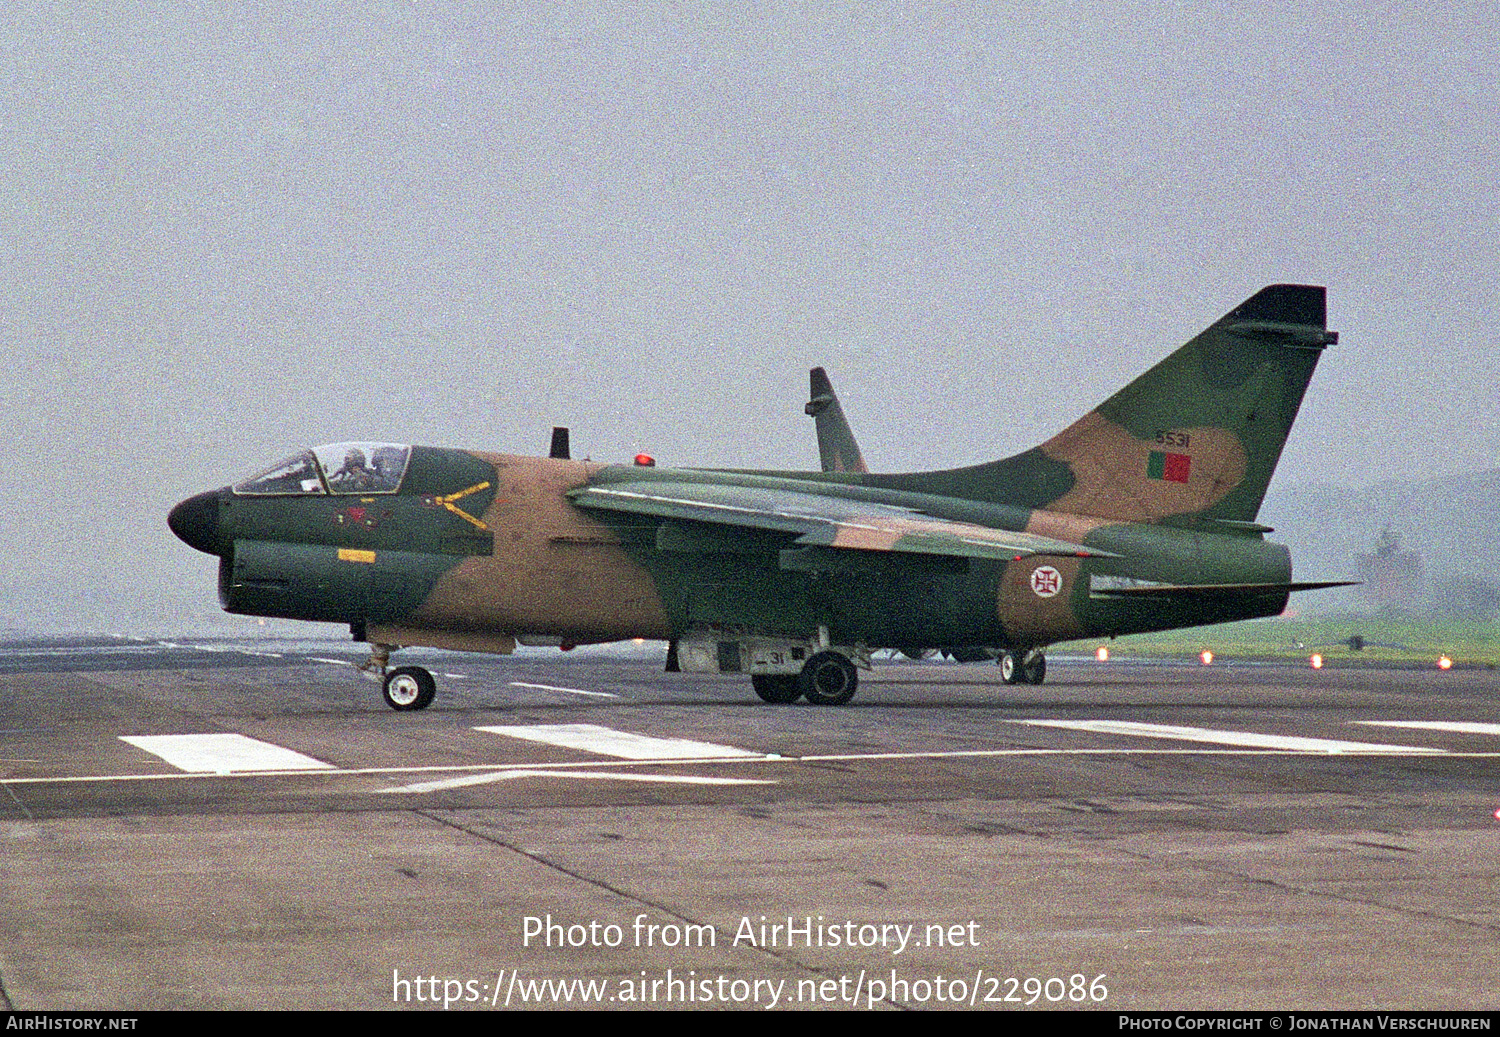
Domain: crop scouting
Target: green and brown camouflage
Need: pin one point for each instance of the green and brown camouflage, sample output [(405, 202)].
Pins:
[(1139, 516)]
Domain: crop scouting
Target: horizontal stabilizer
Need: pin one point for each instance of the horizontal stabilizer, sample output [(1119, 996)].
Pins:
[(1214, 590), (815, 520)]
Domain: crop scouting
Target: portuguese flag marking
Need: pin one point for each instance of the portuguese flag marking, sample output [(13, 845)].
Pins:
[(1169, 467)]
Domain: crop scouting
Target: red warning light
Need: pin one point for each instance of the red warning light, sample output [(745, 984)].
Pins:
[(1445, 663), (645, 460), (1206, 657), (1315, 661)]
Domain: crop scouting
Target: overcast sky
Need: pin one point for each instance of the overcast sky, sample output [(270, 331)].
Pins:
[(231, 230)]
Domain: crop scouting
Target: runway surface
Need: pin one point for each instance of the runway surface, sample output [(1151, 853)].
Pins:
[(212, 824)]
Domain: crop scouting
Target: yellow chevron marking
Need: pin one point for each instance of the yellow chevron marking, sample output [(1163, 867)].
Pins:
[(447, 502)]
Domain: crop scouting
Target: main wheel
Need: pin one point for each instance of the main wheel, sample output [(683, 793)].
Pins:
[(1010, 668), (828, 679), (1034, 668), (779, 688), (408, 688)]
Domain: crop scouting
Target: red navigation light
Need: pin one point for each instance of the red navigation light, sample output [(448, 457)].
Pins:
[(1102, 654), (645, 460), (1445, 663), (1316, 661), (1206, 657)]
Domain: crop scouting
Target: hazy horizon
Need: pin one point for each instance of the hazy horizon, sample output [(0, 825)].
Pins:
[(234, 232)]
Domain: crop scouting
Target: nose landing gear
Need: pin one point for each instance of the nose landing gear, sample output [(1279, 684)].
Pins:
[(406, 688)]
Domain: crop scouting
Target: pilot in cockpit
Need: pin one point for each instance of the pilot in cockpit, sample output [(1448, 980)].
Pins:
[(355, 473)]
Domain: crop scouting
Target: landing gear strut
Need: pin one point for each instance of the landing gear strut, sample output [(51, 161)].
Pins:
[(1023, 667), (405, 688)]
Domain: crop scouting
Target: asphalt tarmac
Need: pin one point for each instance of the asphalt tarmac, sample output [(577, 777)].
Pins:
[(201, 824)]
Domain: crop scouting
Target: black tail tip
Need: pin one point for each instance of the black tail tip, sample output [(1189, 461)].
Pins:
[(1286, 304)]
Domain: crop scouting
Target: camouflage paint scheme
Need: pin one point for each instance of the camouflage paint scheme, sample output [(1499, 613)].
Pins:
[(1139, 516)]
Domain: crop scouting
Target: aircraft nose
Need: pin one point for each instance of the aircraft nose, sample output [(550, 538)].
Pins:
[(196, 522)]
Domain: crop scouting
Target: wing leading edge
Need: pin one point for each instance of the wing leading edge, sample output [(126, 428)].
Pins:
[(822, 522), (1215, 590)]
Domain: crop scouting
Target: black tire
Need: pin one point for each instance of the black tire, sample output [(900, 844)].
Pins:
[(1034, 668), (409, 688), (1011, 671), (778, 688), (828, 679)]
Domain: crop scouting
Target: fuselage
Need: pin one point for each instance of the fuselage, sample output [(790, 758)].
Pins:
[(469, 549)]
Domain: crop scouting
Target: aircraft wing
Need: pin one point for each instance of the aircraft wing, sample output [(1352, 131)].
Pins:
[(1215, 590), (823, 522)]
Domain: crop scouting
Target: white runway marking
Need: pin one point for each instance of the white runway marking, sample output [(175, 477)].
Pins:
[(49, 653), (1462, 727), (1287, 743), (627, 746), (485, 779), (223, 754), (956, 754), (570, 691), (222, 648)]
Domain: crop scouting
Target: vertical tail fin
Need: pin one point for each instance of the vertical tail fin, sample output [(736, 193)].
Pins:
[(1198, 435), (837, 448)]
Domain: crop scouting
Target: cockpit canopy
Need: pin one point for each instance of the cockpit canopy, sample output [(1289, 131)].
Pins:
[(360, 467)]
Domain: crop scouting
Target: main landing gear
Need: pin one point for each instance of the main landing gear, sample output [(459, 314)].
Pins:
[(827, 679), (405, 688), (1028, 667), (777, 688)]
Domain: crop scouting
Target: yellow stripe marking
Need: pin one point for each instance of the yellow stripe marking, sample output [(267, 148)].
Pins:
[(448, 500), (351, 554)]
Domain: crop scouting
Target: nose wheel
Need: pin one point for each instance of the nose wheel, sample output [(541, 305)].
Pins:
[(404, 688), (409, 688)]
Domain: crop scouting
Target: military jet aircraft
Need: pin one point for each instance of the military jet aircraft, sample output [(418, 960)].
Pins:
[(1138, 516)]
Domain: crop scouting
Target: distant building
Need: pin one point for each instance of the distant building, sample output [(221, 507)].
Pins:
[(1392, 578)]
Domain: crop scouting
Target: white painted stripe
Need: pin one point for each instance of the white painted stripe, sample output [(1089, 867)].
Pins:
[(570, 691), (956, 754), (335, 662), (485, 779), (1288, 743), (50, 653), (627, 746), (1462, 727), (223, 753)]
